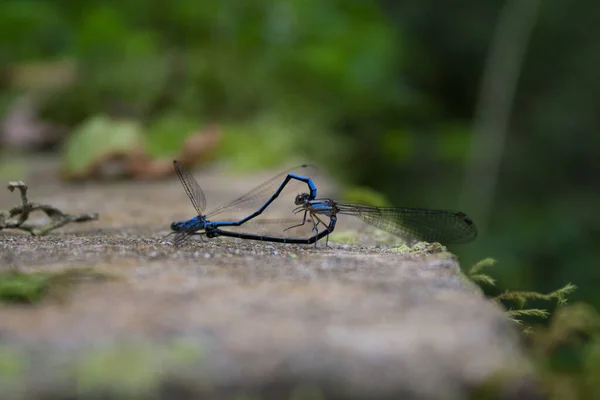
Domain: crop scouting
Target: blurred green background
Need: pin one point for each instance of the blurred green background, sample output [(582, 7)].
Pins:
[(489, 107)]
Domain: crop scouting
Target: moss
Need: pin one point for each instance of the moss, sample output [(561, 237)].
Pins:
[(17, 287), (306, 392), (421, 248), (567, 352), (475, 272), (519, 298), (13, 370), (12, 364), (29, 288), (248, 396), (578, 320), (133, 370), (383, 238), (375, 235), (345, 237), (503, 383)]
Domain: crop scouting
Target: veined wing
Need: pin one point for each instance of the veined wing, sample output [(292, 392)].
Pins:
[(444, 226), (260, 194), (191, 187)]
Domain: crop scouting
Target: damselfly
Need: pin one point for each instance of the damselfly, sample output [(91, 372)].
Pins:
[(215, 231), (263, 195), (444, 226)]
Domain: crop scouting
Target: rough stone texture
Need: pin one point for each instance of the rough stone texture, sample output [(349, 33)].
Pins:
[(229, 317)]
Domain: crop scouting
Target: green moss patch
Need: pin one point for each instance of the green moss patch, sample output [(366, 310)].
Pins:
[(28, 288), (134, 369)]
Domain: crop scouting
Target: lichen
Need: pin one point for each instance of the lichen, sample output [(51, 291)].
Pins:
[(421, 248)]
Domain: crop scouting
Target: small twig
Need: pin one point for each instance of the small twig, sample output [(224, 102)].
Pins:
[(16, 217)]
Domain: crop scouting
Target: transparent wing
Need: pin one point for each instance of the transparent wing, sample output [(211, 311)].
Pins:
[(182, 237), (260, 194), (191, 187), (444, 226)]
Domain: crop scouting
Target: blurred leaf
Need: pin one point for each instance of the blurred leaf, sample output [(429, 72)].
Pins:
[(98, 138), (107, 148)]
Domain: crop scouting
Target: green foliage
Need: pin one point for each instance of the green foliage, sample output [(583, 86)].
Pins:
[(365, 195), (266, 141), (568, 352), (166, 134), (520, 298), (29, 288), (399, 145), (30, 30), (273, 138), (452, 142)]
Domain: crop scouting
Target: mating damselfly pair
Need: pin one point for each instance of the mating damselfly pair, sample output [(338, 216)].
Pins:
[(320, 214)]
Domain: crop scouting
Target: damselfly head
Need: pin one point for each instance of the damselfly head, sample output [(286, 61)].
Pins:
[(176, 226), (301, 199)]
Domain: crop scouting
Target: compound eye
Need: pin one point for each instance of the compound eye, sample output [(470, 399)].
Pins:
[(175, 226)]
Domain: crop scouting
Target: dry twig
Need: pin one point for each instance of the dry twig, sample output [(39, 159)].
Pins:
[(16, 217)]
